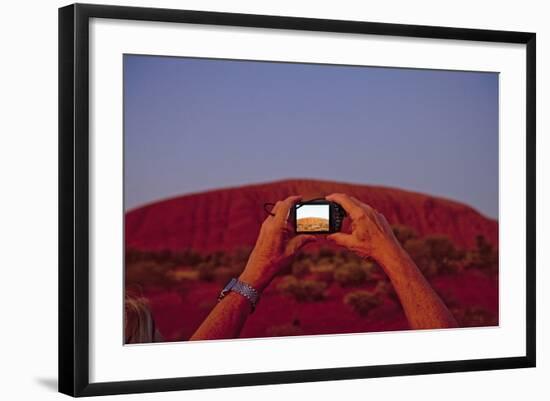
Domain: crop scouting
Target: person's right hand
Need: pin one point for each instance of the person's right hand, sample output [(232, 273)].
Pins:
[(275, 247), (371, 234)]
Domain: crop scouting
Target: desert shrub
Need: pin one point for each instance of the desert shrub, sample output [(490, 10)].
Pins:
[(289, 329), (338, 260), (218, 258), (404, 233), (148, 273), (441, 247), (483, 246), (362, 302), (188, 257), (372, 269), (444, 253), (301, 255), (301, 268), (223, 274), (385, 288), (419, 251), (132, 256), (350, 274), (483, 257), (212, 270), (326, 253), (302, 290), (240, 255), (206, 271), (183, 275), (434, 254), (323, 272), (453, 266), (164, 257), (343, 255)]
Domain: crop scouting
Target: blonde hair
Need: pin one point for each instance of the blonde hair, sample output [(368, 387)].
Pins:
[(139, 325)]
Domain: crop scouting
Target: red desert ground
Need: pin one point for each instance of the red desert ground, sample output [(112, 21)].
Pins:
[(180, 251)]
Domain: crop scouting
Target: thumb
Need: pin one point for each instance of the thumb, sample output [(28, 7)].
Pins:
[(298, 242), (345, 240)]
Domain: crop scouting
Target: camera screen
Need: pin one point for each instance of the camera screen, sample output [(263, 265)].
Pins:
[(312, 218)]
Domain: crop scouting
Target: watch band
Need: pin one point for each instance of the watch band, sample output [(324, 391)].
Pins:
[(244, 289)]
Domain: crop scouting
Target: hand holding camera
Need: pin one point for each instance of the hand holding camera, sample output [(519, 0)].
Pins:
[(371, 235), (281, 236), (293, 223), (276, 245)]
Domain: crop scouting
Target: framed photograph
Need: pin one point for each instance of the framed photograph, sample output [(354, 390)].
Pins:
[(252, 199)]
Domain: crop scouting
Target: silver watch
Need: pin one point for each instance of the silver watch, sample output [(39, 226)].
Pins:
[(244, 289)]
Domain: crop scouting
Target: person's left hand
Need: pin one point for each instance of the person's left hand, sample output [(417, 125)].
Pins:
[(275, 247)]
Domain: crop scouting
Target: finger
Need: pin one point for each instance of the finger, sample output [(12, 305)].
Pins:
[(268, 208), (364, 205), (382, 218), (275, 207), (358, 202), (282, 212), (353, 209), (345, 240), (298, 242), (383, 222), (281, 203)]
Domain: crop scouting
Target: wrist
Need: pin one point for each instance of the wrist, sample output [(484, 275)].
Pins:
[(392, 257), (243, 289), (255, 278)]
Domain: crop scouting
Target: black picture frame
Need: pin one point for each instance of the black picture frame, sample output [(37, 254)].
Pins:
[(74, 202)]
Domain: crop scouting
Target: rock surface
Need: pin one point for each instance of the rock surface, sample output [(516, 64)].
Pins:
[(225, 219)]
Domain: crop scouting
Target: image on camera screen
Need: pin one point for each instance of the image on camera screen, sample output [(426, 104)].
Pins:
[(312, 218)]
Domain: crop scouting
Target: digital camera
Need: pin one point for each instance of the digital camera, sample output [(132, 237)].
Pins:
[(317, 216)]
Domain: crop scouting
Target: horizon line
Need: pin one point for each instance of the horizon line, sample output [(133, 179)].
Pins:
[(282, 180)]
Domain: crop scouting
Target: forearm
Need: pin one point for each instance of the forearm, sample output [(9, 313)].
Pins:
[(423, 307), (227, 318), (274, 248)]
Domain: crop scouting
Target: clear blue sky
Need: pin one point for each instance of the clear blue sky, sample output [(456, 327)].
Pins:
[(198, 124), (321, 211)]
